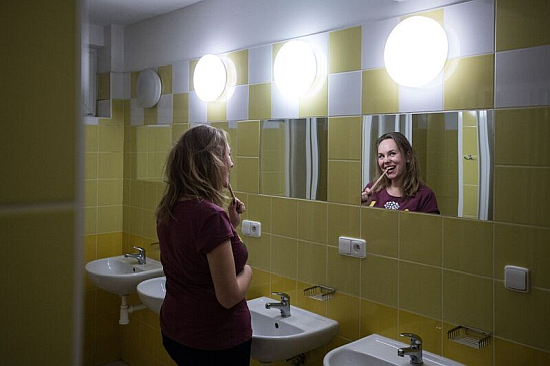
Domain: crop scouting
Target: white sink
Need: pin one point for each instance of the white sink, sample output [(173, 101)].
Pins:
[(275, 338), (152, 292), (376, 350), (121, 275)]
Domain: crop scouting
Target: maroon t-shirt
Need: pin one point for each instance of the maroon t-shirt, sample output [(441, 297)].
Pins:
[(423, 201), (190, 313)]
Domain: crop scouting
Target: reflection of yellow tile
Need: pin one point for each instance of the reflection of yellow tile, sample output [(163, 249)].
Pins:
[(315, 105), (260, 285), (240, 61), (533, 253), (468, 300), (470, 84), (380, 229), (342, 272), (468, 245), (111, 138), (464, 354), (511, 354), (344, 221), (249, 169), (216, 110), (109, 245), (259, 251), (420, 238), (379, 319), (470, 205), (312, 221), (150, 115), (528, 205), (344, 138), (104, 86), (311, 262), (434, 14), (259, 102), (181, 108), (92, 138), (109, 165), (521, 24), (527, 326), (249, 138), (380, 92), (178, 130), (109, 219), (379, 279), (345, 50), (425, 299), (109, 192), (192, 65), (428, 329), (165, 74), (259, 209), (521, 136), (470, 171), (284, 218), (346, 311), (469, 141), (344, 182)]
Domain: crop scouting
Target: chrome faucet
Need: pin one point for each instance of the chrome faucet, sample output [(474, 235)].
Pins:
[(283, 306), (414, 351), (140, 256)]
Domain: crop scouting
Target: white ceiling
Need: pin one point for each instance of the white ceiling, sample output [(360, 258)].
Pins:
[(124, 12)]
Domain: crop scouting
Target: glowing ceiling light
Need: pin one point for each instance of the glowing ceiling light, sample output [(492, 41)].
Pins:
[(295, 68), (416, 51), (209, 78)]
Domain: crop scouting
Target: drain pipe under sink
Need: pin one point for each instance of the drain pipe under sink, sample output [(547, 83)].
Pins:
[(125, 309)]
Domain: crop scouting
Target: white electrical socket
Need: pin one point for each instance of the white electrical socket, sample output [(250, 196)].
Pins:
[(352, 247), (251, 228)]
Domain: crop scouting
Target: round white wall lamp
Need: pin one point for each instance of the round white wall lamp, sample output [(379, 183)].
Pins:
[(295, 68), (416, 51), (148, 88), (209, 78)]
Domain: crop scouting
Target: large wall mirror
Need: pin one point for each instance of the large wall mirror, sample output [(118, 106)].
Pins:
[(455, 152), (293, 155)]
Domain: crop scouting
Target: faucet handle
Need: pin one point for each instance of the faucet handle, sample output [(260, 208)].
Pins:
[(284, 296), (139, 249), (415, 338)]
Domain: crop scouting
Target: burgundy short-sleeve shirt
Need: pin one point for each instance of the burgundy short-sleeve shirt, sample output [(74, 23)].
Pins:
[(423, 201), (190, 313)]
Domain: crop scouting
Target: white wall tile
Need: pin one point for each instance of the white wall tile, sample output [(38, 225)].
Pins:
[(136, 113), (260, 64), (117, 85), (237, 104), (165, 110), (428, 98), (283, 106), (127, 85), (373, 41), (197, 108), (180, 77), (344, 94), (522, 77), (319, 43), (470, 28)]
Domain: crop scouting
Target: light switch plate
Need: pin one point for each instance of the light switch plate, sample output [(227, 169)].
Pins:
[(516, 278), (352, 247)]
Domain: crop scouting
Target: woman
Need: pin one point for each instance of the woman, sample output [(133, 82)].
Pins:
[(398, 186), (204, 318)]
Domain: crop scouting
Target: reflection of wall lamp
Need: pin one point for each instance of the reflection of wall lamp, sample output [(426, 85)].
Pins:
[(416, 51), (210, 78), (295, 68)]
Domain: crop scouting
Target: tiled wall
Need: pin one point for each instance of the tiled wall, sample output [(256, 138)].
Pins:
[(423, 273)]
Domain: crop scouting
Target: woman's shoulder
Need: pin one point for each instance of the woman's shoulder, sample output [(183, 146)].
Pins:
[(425, 190), (199, 205)]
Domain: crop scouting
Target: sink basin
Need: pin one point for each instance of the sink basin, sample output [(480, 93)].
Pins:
[(151, 293), (121, 275), (275, 338), (376, 350)]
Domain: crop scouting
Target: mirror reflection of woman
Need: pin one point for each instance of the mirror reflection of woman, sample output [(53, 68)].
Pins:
[(397, 185)]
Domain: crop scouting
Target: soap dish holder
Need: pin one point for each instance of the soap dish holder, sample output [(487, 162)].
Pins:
[(471, 337), (320, 293)]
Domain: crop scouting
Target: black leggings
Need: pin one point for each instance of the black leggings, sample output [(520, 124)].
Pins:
[(185, 356)]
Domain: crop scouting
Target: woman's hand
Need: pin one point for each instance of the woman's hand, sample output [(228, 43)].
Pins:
[(235, 209), (365, 194)]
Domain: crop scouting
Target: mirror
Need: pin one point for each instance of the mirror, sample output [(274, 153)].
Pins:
[(293, 155), (455, 154)]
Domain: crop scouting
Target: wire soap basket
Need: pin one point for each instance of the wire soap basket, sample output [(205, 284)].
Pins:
[(471, 337), (319, 292)]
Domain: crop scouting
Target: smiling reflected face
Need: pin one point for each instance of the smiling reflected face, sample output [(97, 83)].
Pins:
[(391, 158)]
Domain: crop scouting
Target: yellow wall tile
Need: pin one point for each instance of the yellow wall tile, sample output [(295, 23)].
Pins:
[(528, 326), (192, 65), (259, 209), (216, 110), (345, 50), (420, 238), (521, 137), (165, 74), (312, 259), (346, 311), (90, 220), (282, 284), (378, 319), (468, 245), (109, 245), (425, 299), (91, 133), (342, 272), (248, 168), (107, 339), (312, 221), (111, 138), (380, 92), (315, 105), (511, 354), (344, 182), (181, 108), (109, 165), (259, 102), (521, 24), (285, 217), (178, 130), (344, 138), (528, 205), (260, 285), (470, 84), (150, 115), (90, 193), (379, 228), (468, 300), (284, 254), (103, 86), (248, 133), (109, 192), (109, 219), (344, 221), (240, 61), (379, 279), (428, 329), (259, 251)]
